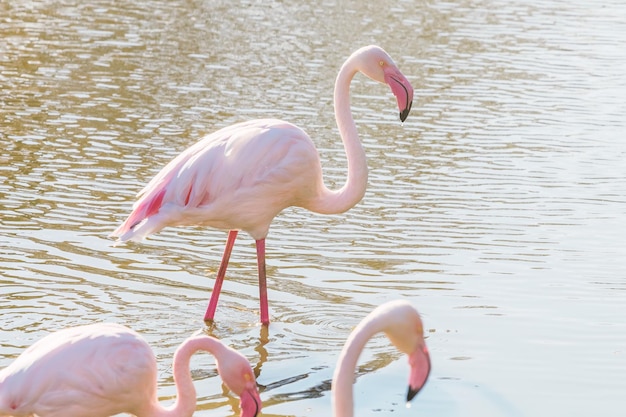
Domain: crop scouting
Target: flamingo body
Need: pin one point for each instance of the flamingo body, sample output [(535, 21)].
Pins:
[(238, 178), (106, 369), (242, 176)]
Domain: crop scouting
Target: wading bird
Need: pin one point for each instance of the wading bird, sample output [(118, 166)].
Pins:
[(101, 370), (403, 326), (242, 176)]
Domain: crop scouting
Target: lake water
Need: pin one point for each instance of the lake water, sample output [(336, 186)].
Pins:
[(498, 208)]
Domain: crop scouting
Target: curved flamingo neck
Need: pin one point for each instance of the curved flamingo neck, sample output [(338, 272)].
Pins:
[(338, 201), (343, 379), (185, 404)]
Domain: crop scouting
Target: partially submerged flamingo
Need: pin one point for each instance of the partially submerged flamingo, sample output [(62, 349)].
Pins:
[(101, 370), (403, 326)]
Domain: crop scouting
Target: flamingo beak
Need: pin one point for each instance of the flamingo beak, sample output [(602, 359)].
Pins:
[(250, 403), (420, 369), (401, 88)]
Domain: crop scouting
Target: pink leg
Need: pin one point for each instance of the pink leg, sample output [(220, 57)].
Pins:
[(210, 311), (260, 256)]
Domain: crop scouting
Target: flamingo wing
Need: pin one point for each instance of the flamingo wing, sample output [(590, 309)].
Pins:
[(81, 371), (239, 177)]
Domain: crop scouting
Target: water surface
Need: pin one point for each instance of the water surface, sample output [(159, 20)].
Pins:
[(497, 208)]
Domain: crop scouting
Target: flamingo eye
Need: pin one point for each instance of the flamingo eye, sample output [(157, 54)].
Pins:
[(382, 63)]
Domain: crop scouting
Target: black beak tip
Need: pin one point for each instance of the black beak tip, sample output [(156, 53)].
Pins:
[(411, 394), (405, 113)]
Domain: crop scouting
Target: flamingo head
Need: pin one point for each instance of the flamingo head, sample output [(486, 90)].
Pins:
[(249, 398), (238, 376), (406, 332), (376, 64)]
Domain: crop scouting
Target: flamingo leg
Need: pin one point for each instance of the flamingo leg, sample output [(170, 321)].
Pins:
[(210, 311), (260, 256)]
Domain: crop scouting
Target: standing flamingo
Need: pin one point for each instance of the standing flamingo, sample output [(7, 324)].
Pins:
[(403, 326), (242, 176), (101, 370)]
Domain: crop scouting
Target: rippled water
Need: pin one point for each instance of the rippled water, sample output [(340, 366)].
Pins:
[(498, 208)]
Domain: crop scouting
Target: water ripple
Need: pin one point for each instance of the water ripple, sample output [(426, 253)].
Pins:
[(497, 207)]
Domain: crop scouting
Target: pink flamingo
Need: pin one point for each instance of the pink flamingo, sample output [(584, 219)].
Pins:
[(403, 326), (105, 369), (242, 176)]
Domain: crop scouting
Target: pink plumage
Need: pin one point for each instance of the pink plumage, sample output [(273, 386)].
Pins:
[(239, 177), (242, 176), (106, 369), (402, 324)]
